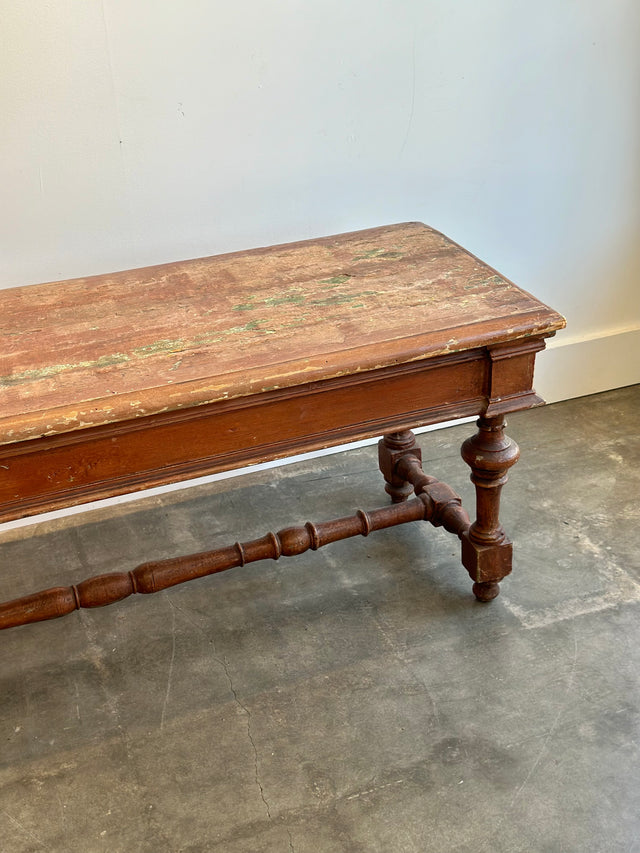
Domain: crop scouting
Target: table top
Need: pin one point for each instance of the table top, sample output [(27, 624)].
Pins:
[(113, 347)]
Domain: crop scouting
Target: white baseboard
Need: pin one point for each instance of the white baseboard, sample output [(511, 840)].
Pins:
[(578, 367)]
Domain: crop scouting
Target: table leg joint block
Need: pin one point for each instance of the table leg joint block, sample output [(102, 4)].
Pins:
[(486, 562)]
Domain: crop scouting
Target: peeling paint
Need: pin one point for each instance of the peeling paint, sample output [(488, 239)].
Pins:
[(379, 253), (290, 299), (271, 301), (337, 279), (118, 338), (481, 281), (335, 299), (53, 370)]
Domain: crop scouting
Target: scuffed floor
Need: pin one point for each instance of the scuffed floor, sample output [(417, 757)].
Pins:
[(353, 700)]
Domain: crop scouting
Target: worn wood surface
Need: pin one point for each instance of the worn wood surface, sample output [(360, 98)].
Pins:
[(124, 381), (122, 346)]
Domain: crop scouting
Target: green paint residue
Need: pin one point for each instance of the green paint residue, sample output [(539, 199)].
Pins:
[(54, 370), (291, 299), (297, 321), (384, 254), (234, 330), (336, 279), (481, 281), (158, 347), (336, 299), (164, 346), (172, 346)]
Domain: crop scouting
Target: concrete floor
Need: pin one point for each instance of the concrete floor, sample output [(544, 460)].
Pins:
[(352, 700)]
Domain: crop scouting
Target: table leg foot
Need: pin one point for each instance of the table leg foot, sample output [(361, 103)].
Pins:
[(486, 550), (486, 591)]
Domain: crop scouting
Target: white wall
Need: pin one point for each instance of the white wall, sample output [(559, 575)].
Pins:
[(139, 131)]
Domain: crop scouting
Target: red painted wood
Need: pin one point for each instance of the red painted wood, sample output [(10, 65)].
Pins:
[(115, 347), (109, 460), (143, 377), (107, 589)]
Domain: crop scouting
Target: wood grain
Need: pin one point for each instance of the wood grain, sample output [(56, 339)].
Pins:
[(144, 377), (126, 345)]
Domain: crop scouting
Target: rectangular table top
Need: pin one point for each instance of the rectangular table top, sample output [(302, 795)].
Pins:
[(114, 347)]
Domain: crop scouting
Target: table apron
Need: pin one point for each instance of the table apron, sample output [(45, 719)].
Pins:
[(89, 464)]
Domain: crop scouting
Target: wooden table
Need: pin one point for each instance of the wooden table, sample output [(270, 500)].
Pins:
[(135, 379)]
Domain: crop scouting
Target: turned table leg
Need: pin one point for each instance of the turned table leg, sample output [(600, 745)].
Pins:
[(486, 550), (391, 448)]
